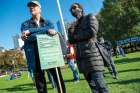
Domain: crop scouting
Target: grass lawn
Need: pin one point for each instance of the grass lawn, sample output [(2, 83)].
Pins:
[(129, 79)]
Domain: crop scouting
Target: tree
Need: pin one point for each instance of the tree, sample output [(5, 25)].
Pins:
[(12, 58), (119, 19)]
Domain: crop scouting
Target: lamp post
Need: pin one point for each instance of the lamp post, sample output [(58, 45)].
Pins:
[(62, 21)]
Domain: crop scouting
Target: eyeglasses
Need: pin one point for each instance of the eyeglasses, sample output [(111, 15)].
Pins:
[(75, 6), (77, 10)]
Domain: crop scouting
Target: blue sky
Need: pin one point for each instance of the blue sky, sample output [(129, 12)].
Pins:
[(14, 12)]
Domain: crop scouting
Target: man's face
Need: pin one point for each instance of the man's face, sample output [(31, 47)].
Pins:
[(34, 9)]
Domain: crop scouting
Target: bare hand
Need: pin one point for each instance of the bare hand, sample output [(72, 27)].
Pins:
[(26, 33), (24, 37), (73, 24), (52, 32)]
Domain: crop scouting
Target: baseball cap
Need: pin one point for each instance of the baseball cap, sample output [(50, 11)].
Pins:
[(34, 2)]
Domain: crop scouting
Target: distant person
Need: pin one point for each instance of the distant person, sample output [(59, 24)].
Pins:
[(83, 33), (119, 51), (122, 51), (108, 46), (51, 79), (71, 61), (31, 75)]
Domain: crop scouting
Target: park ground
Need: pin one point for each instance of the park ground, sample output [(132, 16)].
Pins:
[(129, 79)]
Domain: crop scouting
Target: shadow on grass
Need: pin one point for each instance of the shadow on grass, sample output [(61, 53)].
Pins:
[(127, 81), (67, 80), (127, 60), (129, 70), (122, 71), (22, 87), (70, 80)]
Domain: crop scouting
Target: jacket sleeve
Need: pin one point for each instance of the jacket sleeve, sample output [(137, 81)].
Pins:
[(44, 29), (89, 31), (35, 31), (25, 26)]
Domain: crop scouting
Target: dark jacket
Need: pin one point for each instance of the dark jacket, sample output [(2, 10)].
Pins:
[(30, 45), (84, 36)]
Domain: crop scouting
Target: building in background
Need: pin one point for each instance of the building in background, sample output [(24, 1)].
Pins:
[(60, 27), (2, 49), (21, 43), (62, 37), (17, 41)]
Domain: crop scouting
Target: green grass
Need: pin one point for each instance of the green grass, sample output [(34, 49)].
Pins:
[(129, 79)]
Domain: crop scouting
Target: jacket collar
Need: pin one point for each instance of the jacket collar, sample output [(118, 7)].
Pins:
[(79, 20), (42, 20)]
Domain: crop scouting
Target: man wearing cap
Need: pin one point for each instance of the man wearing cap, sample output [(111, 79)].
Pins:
[(30, 28)]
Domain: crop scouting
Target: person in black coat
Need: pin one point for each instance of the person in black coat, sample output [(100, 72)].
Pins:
[(83, 33), (108, 46)]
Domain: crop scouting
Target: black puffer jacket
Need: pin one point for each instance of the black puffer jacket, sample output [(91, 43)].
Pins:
[(84, 36)]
